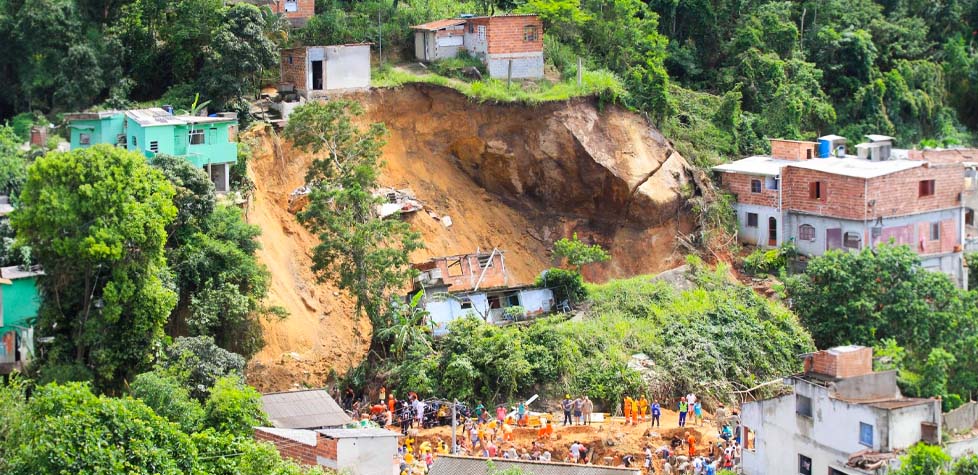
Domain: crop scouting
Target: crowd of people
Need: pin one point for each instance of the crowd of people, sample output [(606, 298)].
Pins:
[(488, 433)]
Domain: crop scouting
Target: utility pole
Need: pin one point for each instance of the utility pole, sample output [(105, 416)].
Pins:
[(380, 39), (454, 424), (580, 71)]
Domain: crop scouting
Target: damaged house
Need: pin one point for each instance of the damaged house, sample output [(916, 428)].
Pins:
[(476, 284), (316, 71), (511, 46)]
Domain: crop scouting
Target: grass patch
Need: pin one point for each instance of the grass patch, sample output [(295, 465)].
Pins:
[(601, 83)]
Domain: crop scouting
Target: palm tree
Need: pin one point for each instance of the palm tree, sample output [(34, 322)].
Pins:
[(408, 328)]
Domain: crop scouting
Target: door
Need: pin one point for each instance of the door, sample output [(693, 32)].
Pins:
[(317, 75), (772, 231), (833, 238)]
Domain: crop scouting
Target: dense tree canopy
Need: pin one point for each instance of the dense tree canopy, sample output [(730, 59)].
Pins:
[(96, 220)]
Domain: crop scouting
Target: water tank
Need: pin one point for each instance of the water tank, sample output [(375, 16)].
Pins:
[(168, 108), (824, 148), (831, 145)]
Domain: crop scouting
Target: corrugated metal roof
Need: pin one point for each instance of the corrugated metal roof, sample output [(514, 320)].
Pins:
[(91, 115), (309, 409), (357, 433), (440, 24), (307, 437), (455, 465)]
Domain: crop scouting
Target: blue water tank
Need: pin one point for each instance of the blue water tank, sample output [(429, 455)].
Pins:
[(824, 148)]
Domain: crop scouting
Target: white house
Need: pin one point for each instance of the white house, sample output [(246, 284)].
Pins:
[(316, 71), (841, 418)]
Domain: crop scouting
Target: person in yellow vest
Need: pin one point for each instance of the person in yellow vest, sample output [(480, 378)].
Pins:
[(643, 408), (409, 443), (424, 448), (442, 447), (627, 409)]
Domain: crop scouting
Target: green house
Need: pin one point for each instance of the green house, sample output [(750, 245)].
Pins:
[(207, 142), (19, 303)]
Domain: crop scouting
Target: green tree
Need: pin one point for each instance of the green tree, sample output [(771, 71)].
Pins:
[(67, 429), (96, 220), (239, 54), (923, 459), (234, 407), (168, 398), (364, 254), (198, 364), (579, 254)]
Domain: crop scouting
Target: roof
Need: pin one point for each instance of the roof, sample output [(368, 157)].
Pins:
[(440, 24), (156, 116), (369, 432), (856, 167), (756, 165), (15, 272), (91, 115), (879, 138), (844, 349), (457, 465), (302, 436), (900, 403), (308, 409), (831, 137)]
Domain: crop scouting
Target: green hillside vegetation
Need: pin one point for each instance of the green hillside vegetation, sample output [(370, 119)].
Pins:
[(714, 339)]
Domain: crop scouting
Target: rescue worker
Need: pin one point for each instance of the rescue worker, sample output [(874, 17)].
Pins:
[(627, 409), (634, 411), (683, 409), (643, 408)]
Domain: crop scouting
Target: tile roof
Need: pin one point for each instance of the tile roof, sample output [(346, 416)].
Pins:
[(456, 465), (440, 24), (308, 409)]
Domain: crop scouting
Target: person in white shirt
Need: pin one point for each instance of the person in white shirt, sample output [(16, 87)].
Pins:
[(575, 451)]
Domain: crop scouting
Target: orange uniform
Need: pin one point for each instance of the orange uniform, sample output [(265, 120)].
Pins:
[(692, 446), (627, 409)]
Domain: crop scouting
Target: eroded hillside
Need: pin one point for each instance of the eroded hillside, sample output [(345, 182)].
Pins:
[(509, 176)]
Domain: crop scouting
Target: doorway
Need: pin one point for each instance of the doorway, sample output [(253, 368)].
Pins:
[(772, 231), (317, 75)]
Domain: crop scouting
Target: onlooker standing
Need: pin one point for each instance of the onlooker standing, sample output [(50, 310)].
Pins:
[(588, 409), (720, 416), (698, 413), (579, 410), (656, 412), (566, 405)]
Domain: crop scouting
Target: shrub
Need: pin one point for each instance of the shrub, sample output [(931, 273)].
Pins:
[(769, 261), (455, 67), (566, 285)]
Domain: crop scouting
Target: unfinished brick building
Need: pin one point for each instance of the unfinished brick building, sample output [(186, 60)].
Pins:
[(298, 12), (316, 71), (511, 46), (819, 198)]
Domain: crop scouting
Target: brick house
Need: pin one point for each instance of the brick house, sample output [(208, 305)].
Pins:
[(298, 12), (817, 197), (838, 411), (355, 451), (509, 45), (316, 71), (475, 284)]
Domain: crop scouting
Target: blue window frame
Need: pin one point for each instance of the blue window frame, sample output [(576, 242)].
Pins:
[(866, 434)]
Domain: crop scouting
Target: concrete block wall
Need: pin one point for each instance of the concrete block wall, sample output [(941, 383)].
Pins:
[(524, 66), (793, 149), (305, 9), (841, 364), (505, 34), (294, 71), (842, 196), (898, 193), (739, 185)]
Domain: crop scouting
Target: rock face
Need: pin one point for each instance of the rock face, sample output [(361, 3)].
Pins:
[(566, 167), (510, 176)]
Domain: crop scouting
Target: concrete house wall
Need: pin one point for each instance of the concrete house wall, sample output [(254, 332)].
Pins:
[(105, 130), (19, 303), (366, 456), (764, 204), (344, 68), (509, 45)]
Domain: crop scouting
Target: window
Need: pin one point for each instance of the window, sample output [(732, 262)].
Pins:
[(755, 186), (466, 303), (866, 434), (471, 27), (969, 217), (135, 144), (485, 261), (815, 190), (85, 139), (804, 465), (803, 405), (494, 302), (120, 140), (291, 5), (513, 300), (290, 59), (455, 267), (196, 137), (482, 32), (751, 220), (851, 240), (925, 188), (771, 183), (935, 231), (748, 438), (808, 154), (232, 133), (806, 232), (530, 33), (154, 146), (833, 471)]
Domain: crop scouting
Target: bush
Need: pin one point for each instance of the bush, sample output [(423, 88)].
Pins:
[(566, 285), (165, 395), (234, 407), (769, 261), (455, 67)]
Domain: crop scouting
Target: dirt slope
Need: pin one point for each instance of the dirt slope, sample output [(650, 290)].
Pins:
[(509, 176)]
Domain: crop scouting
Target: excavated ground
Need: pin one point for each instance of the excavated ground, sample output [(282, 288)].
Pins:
[(510, 176)]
